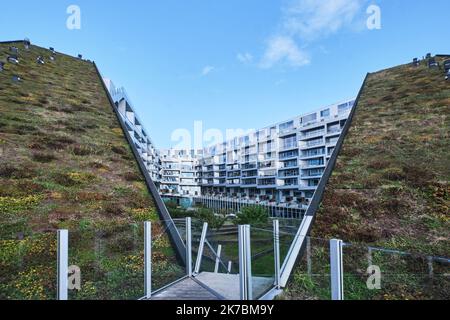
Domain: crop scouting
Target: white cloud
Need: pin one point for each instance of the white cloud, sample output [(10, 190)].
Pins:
[(207, 70), (312, 19), (283, 49), (245, 57), (307, 21)]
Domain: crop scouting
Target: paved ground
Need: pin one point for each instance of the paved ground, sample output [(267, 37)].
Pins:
[(220, 287), (227, 285), (187, 289)]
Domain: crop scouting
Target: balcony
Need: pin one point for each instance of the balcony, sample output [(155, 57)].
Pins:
[(247, 167), (312, 134), (268, 174), (287, 131), (288, 156), (289, 146), (286, 175), (334, 131), (311, 155)]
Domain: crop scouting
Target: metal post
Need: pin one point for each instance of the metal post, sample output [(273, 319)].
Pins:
[(63, 264), (337, 279), (148, 259), (219, 252), (430, 267), (308, 255), (200, 249), (230, 264), (276, 247), (245, 266), (188, 247)]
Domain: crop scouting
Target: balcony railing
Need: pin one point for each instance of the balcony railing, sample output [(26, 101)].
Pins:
[(313, 133)]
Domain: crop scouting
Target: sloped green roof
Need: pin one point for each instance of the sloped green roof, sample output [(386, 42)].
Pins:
[(64, 157), (390, 186)]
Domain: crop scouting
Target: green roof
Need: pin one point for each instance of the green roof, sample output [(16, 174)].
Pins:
[(64, 157), (390, 185)]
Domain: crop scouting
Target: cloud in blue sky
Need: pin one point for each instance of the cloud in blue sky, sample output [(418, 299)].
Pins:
[(305, 21), (245, 57), (207, 70)]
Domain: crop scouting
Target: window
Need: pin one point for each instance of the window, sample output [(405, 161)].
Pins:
[(289, 142), (290, 164), (314, 152), (287, 126), (332, 140), (325, 113), (309, 118), (315, 162), (288, 154), (344, 107)]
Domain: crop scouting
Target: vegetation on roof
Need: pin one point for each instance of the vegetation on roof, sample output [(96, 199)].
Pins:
[(64, 163), (390, 187)]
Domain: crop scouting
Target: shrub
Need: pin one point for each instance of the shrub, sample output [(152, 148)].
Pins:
[(207, 215), (252, 215), (171, 204)]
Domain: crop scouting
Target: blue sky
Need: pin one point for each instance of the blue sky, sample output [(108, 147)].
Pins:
[(233, 64)]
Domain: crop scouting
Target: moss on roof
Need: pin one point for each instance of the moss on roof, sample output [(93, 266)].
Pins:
[(390, 186), (64, 157)]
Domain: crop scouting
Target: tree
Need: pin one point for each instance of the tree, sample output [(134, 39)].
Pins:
[(253, 215), (207, 215)]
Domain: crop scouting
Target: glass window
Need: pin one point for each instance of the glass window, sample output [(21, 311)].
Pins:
[(286, 126), (325, 113), (309, 118)]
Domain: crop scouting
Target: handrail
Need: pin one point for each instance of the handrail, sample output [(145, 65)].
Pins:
[(164, 214)]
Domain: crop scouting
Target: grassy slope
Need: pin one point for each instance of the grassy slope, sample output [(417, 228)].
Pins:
[(65, 163), (390, 187), (64, 155)]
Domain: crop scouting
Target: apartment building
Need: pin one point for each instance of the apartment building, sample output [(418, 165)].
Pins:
[(178, 173), (146, 148), (282, 163), (279, 164)]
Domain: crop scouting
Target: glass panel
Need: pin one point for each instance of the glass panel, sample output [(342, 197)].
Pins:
[(288, 231), (379, 274), (263, 261), (28, 266), (167, 266), (111, 262), (311, 280), (222, 280)]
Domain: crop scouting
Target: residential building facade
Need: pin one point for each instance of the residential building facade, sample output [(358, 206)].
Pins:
[(282, 163), (178, 173), (144, 145), (279, 164)]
